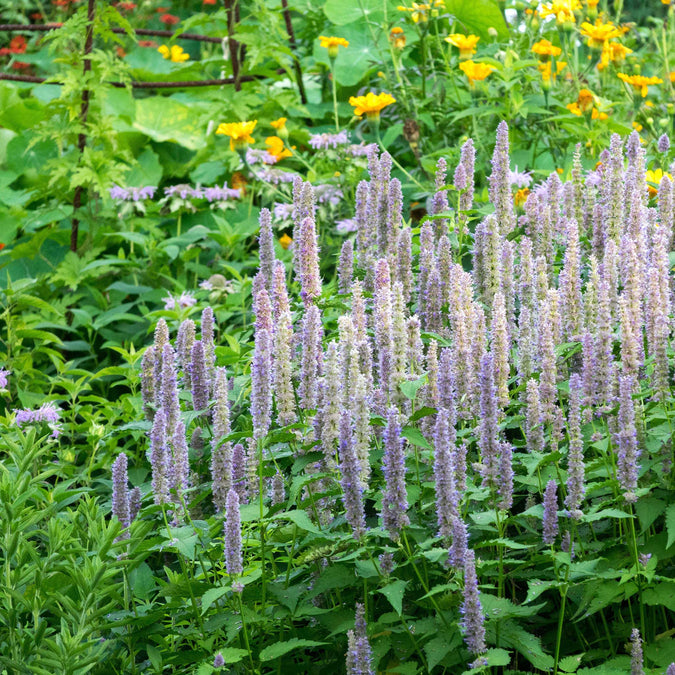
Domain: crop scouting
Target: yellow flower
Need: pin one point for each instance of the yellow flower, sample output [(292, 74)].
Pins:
[(599, 33), (639, 82), (285, 241), (562, 10), (655, 177), (420, 11), (397, 37), (585, 100), (239, 133), (175, 53), (521, 196), (332, 44), (276, 148), (614, 52), (278, 124), (592, 3), (475, 72), (546, 74), (545, 49), (371, 104), (465, 43)]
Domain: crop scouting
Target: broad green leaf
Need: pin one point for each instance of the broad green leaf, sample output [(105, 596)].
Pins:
[(570, 663), (233, 654), (411, 387), (513, 635), (605, 513), (477, 16), (437, 649), (415, 437), (280, 648), (498, 657), (535, 587), (648, 509), (142, 581), (670, 524), (164, 119), (300, 518), (394, 593), (342, 12), (147, 171), (211, 596)]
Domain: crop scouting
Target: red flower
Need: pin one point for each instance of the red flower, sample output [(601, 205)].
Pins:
[(20, 65), (18, 44), (208, 2), (36, 16), (169, 19), (1, 246), (127, 6), (147, 43), (120, 52), (60, 3), (162, 10)]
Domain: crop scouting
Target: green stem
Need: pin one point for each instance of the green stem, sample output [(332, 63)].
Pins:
[(334, 88), (245, 631)]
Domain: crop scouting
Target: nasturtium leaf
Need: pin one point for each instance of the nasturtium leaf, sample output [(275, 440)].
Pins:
[(477, 16), (164, 119), (394, 593), (280, 648)]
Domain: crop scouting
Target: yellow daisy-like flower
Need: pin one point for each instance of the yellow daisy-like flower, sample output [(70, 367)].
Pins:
[(332, 44), (545, 49), (278, 124), (285, 241), (599, 33), (276, 148), (547, 74), (465, 43), (520, 197), (174, 53), (592, 4), (475, 72), (239, 133), (655, 176), (562, 10), (614, 52), (420, 11), (371, 104), (639, 82)]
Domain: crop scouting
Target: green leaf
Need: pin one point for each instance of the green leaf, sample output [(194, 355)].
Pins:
[(164, 119), (570, 663), (211, 596), (648, 509), (477, 16), (280, 648), (437, 649), (394, 593), (605, 513), (300, 518), (233, 654), (670, 524), (142, 581), (535, 587), (498, 657), (411, 387), (147, 171), (512, 635), (415, 437), (341, 12)]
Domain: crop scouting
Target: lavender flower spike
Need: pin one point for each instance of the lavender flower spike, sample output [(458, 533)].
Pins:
[(636, 658), (233, 553), (200, 388), (550, 521), (359, 654), (261, 384), (626, 441), (471, 609), (671, 669), (352, 489), (395, 498), (575, 455), (120, 495), (310, 279), (266, 247)]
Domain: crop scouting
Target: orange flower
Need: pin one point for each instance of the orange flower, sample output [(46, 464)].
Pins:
[(169, 19), (465, 43), (639, 82), (397, 37), (278, 124), (585, 100), (521, 196), (475, 72), (238, 182), (285, 241), (545, 49), (371, 104), (546, 73), (614, 52), (276, 148)]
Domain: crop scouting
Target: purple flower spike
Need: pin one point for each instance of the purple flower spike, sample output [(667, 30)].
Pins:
[(636, 658), (359, 653), (120, 495), (233, 554), (550, 521), (395, 498), (471, 609)]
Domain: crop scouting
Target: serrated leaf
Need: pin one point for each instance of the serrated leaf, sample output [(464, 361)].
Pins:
[(233, 654), (670, 525), (211, 596), (280, 648), (300, 518), (436, 651), (415, 437), (605, 513), (535, 587), (411, 387), (570, 663), (498, 657), (394, 593), (512, 635)]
